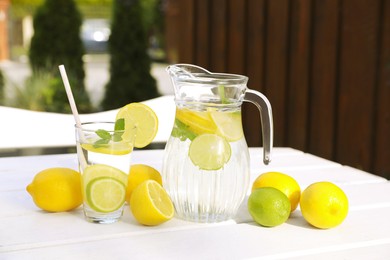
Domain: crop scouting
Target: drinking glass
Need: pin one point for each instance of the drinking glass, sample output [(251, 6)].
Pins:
[(104, 157)]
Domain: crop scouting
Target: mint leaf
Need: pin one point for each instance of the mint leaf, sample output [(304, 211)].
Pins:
[(103, 134), (101, 142), (222, 94), (119, 126), (106, 136), (182, 131)]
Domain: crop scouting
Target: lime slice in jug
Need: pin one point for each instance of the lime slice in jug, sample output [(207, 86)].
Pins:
[(209, 151)]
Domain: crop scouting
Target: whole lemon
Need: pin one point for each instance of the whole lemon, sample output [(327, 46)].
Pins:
[(56, 189), (324, 205), (283, 182), (138, 174), (268, 206)]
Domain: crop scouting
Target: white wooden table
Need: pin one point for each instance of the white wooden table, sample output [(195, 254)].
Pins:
[(29, 233)]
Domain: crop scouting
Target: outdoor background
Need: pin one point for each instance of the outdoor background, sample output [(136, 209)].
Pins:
[(324, 65)]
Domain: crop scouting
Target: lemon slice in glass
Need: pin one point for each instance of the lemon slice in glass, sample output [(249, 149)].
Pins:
[(144, 118), (105, 194), (115, 148), (228, 124), (150, 204), (209, 152), (101, 170)]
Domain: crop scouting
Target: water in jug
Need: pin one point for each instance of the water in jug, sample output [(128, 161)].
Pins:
[(206, 167)]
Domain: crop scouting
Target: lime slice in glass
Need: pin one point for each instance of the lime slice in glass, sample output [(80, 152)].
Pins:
[(228, 124), (105, 194), (209, 151)]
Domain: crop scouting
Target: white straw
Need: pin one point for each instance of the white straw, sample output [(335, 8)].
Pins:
[(72, 103), (73, 107)]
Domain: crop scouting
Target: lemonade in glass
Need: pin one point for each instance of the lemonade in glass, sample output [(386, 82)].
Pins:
[(104, 153)]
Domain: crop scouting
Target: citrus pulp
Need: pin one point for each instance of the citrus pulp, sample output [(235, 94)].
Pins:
[(138, 174), (145, 120), (209, 151), (150, 204)]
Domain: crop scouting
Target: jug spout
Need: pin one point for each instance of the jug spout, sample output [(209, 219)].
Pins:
[(265, 109), (185, 70)]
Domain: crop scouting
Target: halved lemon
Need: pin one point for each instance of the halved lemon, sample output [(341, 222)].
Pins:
[(209, 151), (150, 204), (144, 118), (138, 174), (105, 194)]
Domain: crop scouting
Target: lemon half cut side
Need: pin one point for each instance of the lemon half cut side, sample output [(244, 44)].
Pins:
[(150, 204)]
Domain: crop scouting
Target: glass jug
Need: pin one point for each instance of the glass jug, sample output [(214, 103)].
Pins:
[(206, 168)]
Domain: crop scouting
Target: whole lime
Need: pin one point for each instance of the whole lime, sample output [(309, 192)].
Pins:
[(283, 182), (269, 206)]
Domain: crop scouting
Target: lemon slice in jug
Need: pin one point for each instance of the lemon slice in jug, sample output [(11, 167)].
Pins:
[(228, 124), (198, 122)]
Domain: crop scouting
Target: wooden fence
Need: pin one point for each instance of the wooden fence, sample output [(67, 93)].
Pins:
[(323, 64)]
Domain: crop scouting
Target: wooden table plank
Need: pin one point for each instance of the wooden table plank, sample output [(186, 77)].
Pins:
[(292, 239)]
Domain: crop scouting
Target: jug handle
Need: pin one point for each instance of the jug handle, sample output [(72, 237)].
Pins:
[(265, 109)]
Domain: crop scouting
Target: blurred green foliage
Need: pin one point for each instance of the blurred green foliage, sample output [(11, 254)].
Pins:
[(89, 8), (57, 41), (130, 78)]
